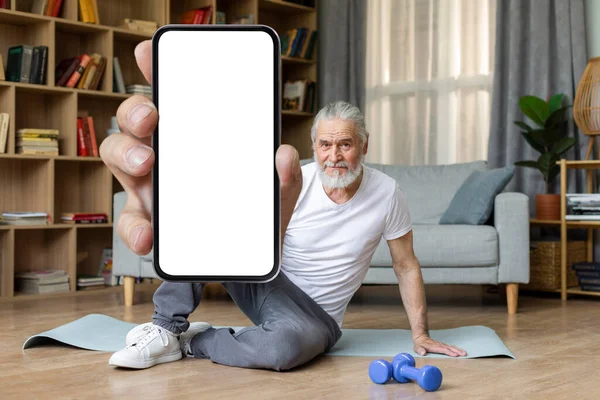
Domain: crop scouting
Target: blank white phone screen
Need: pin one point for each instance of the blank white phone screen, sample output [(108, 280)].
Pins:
[(216, 153)]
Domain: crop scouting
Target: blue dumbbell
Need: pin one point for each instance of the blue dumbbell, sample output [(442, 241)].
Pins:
[(380, 371), (403, 370)]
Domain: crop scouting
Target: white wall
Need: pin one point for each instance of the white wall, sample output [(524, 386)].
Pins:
[(592, 26)]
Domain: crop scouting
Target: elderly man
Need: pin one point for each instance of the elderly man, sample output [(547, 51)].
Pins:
[(333, 214)]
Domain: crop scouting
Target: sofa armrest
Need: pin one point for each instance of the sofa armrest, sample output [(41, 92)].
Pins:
[(511, 220)]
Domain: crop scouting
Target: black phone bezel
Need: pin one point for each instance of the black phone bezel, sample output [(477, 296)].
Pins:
[(276, 143)]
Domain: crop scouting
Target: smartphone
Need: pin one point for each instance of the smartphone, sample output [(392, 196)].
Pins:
[(216, 207)]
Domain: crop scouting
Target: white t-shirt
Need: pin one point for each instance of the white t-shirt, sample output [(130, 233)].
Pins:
[(328, 247)]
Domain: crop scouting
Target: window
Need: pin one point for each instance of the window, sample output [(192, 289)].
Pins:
[(429, 80)]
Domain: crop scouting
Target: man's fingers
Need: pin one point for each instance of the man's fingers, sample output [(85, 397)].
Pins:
[(143, 56), (134, 228), (458, 350), (287, 162), (138, 116), (128, 159)]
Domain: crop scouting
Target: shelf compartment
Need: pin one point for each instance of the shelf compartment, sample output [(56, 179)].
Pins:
[(16, 29), (101, 110), (7, 239), (26, 185), (48, 110), (90, 243), (39, 249), (74, 39), (82, 187), (112, 12), (124, 51)]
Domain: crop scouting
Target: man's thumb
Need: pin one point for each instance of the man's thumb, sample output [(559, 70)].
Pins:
[(421, 351)]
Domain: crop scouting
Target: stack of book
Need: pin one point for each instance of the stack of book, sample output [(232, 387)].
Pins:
[(87, 144), (144, 90), (588, 274), (138, 25), (300, 95), (27, 64), (37, 141), (84, 71), (25, 218), (83, 218), (298, 43), (85, 282), (44, 281), (583, 206), (197, 16), (49, 8), (88, 11)]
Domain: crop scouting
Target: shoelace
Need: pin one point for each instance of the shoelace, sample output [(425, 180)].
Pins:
[(138, 335), (152, 332)]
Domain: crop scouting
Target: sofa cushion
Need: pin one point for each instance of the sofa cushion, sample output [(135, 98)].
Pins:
[(429, 189), (474, 201), (448, 246)]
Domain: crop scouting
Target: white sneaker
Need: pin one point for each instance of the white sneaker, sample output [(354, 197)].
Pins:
[(136, 333), (186, 337), (152, 345)]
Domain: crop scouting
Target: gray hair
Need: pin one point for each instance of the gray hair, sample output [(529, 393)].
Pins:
[(344, 111)]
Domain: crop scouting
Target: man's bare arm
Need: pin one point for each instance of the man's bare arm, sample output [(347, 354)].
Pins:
[(410, 282), (412, 289)]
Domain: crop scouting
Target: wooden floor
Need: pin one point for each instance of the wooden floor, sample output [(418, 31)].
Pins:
[(557, 346)]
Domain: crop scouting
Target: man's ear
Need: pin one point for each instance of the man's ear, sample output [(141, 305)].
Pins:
[(366, 146)]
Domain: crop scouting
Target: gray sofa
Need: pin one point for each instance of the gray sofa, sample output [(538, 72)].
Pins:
[(493, 253)]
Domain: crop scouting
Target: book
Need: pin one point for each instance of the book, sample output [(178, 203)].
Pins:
[(4, 120), (13, 63)]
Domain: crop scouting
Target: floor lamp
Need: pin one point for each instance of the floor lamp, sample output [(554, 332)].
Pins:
[(586, 107)]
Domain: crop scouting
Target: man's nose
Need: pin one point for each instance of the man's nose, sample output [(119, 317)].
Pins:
[(334, 153)]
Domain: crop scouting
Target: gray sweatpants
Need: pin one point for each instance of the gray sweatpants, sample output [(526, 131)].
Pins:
[(290, 327)]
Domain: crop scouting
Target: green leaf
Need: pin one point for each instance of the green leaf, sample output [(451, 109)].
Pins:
[(535, 108), (557, 117), (563, 145), (541, 137), (524, 126), (528, 163), (555, 102), (533, 143), (546, 162)]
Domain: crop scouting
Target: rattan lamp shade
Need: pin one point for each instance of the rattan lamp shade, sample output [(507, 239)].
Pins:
[(586, 107)]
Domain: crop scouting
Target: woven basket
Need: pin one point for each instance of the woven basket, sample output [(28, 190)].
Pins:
[(545, 264)]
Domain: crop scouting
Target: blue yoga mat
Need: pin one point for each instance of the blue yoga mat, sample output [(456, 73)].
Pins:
[(103, 333)]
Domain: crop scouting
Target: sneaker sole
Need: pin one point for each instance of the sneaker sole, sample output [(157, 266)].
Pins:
[(145, 364)]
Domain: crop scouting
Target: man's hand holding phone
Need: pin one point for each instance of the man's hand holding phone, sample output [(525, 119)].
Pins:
[(130, 157)]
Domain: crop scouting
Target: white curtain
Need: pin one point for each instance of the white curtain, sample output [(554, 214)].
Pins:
[(429, 80)]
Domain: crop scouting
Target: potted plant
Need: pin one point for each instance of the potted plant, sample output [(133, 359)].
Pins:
[(549, 137)]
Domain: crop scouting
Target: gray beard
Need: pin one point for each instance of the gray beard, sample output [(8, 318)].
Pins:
[(338, 181)]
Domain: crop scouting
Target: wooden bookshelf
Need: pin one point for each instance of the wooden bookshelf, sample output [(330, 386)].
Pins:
[(68, 182), (589, 166)]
